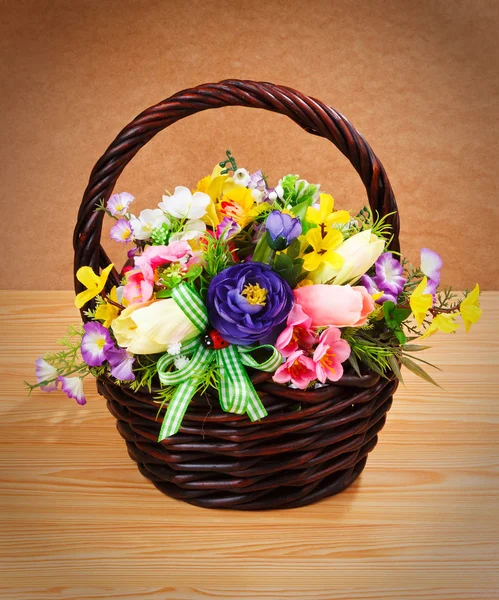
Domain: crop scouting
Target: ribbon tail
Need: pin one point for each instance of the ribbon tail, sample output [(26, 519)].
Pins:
[(237, 394), (176, 408)]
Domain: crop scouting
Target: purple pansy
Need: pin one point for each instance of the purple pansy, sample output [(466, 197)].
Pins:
[(73, 388), (389, 274), (371, 286), (122, 231), (46, 373), (121, 363), (247, 302), (431, 263), (118, 203), (95, 344), (389, 279), (257, 181), (227, 228), (282, 229)]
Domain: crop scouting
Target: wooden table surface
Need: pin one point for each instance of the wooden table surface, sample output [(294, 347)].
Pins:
[(78, 521)]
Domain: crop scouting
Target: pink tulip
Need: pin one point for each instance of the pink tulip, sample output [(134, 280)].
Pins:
[(297, 334), (337, 305), (329, 354), (299, 369)]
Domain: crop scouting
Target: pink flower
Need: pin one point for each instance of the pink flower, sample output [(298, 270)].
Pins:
[(338, 305), (298, 368), (155, 256), (297, 334), (137, 288), (329, 354)]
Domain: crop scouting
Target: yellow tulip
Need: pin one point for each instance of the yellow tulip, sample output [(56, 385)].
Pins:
[(359, 253), (420, 302), (107, 312), (470, 308), (443, 322), (94, 284)]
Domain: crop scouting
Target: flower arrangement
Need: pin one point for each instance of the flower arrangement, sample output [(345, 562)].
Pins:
[(236, 274)]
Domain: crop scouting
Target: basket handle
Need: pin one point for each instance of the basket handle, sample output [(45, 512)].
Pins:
[(309, 113)]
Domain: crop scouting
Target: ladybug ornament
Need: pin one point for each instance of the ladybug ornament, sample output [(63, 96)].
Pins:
[(214, 341)]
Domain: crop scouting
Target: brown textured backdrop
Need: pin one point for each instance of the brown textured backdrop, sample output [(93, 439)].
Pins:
[(419, 80)]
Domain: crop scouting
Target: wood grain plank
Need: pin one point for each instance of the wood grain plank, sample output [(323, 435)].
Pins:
[(77, 520)]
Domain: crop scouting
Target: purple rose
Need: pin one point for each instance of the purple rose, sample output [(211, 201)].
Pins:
[(247, 302), (282, 229)]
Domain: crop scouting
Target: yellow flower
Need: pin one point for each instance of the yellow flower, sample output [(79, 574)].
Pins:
[(94, 284), (470, 308), (325, 214), (420, 302), (323, 249), (107, 312), (442, 322)]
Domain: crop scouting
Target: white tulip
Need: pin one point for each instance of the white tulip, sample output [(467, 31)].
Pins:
[(182, 204), (359, 252), (152, 327)]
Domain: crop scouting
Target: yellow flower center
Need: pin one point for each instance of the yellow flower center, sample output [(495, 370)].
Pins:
[(254, 294), (101, 343)]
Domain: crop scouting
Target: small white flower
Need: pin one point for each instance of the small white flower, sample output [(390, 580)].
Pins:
[(181, 362), (148, 220), (174, 349), (193, 230), (258, 195), (184, 205), (241, 177)]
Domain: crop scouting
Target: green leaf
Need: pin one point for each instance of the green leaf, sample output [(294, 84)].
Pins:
[(392, 361), (194, 272), (400, 314), (414, 347), (293, 249), (417, 370), (283, 261), (400, 335), (352, 359), (163, 294)]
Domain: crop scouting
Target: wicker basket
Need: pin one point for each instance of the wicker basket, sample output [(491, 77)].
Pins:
[(313, 444)]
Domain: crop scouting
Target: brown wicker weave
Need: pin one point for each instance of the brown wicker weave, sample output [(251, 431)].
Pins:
[(313, 444)]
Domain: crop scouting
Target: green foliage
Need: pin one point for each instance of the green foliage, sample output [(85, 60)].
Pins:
[(394, 317), (218, 257), (297, 195), (160, 235), (229, 164), (66, 361), (172, 276), (381, 352), (289, 266)]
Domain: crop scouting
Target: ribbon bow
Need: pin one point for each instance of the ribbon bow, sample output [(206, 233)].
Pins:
[(236, 392)]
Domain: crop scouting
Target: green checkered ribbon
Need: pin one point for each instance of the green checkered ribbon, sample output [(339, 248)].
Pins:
[(236, 392)]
